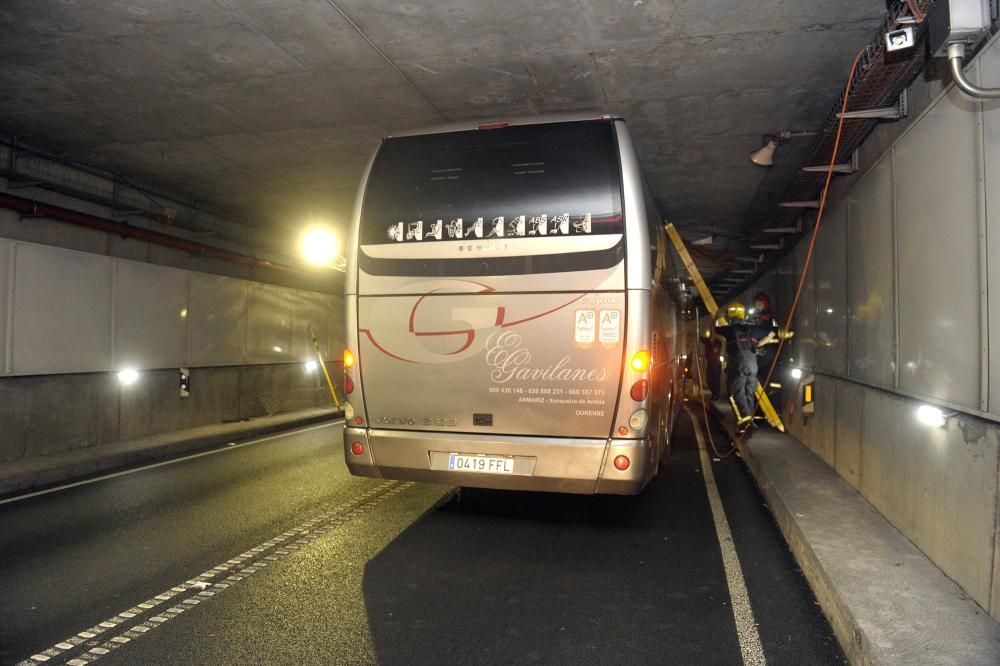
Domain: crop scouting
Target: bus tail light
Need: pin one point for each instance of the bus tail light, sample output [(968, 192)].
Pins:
[(640, 361), (489, 126), (357, 449), (348, 359), (622, 463), (639, 390), (348, 386)]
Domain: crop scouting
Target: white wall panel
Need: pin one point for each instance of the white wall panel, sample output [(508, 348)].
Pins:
[(937, 168), (151, 309), (310, 308), (217, 318), (831, 292), (989, 64), (784, 291), (805, 313), (6, 263), (62, 311), (873, 317), (270, 320)]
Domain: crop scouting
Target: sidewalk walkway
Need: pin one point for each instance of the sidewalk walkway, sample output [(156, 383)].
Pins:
[(887, 602), (41, 471)]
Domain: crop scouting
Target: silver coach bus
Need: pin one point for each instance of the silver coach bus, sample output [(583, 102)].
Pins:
[(509, 323)]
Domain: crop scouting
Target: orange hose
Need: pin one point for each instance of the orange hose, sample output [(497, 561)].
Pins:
[(819, 220)]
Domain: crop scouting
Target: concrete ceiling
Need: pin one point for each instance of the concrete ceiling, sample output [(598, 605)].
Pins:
[(270, 108)]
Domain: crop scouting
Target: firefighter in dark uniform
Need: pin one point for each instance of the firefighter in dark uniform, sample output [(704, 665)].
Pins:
[(742, 339), (761, 314)]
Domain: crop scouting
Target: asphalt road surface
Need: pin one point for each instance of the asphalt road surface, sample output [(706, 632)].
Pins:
[(270, 552)]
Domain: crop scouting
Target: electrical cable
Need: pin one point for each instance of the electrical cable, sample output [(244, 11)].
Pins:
[(704, 407), (819, 221), (915, 10)]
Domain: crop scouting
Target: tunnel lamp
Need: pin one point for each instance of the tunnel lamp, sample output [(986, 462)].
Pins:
[(931, 416), (311, 366), (796, 373), (128, 376), (318, 246), (764, 156)]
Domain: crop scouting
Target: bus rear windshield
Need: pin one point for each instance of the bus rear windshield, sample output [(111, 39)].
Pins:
[(513, 183)]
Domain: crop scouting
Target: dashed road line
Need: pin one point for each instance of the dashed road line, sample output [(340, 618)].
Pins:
[(746, 623), (199, 588)]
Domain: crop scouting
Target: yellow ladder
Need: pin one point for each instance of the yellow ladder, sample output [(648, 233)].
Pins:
[(762, 400)]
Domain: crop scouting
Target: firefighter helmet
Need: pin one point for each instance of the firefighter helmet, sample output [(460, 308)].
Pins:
[(735, 310)]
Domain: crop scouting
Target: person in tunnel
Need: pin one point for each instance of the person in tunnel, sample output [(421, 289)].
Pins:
[(713, 363), (742, 338), (762, 315)]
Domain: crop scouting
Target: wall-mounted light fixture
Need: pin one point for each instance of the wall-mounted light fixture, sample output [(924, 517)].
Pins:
[(319, 247), (764, 156), (128, 376), (932, 416)]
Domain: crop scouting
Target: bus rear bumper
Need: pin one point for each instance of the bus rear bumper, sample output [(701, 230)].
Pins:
[(549, 464)]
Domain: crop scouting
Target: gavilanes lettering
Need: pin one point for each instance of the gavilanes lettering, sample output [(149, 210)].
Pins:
[(510, 360)]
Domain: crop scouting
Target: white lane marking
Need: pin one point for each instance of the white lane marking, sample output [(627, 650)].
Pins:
[(746, 623), (307, 532), (229, 447)]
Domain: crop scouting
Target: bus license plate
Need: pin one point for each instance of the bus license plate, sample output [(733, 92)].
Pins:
[(458, 462)]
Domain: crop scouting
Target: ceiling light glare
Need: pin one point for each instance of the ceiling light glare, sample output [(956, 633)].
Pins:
[(128, 376), (796, 373), (318, 246), (311, 366), (930, 416)]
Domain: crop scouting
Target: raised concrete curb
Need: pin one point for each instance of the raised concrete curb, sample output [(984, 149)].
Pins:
[(886, 601), (39, 472)]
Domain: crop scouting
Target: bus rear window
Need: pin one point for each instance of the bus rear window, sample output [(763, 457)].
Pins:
[(516, 182)]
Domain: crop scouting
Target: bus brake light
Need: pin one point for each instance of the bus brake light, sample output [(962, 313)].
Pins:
[(639, 390), (640, 361), (489, 126), (348, 386), (622, 463)]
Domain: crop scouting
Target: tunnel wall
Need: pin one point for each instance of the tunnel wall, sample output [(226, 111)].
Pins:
[(898, 309), (48, 414), (78, 304)]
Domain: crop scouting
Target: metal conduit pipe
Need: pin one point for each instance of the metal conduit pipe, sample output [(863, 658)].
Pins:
[(40, 209), (956, 54)]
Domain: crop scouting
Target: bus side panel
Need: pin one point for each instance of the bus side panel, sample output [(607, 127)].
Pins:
[(486, 363)]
